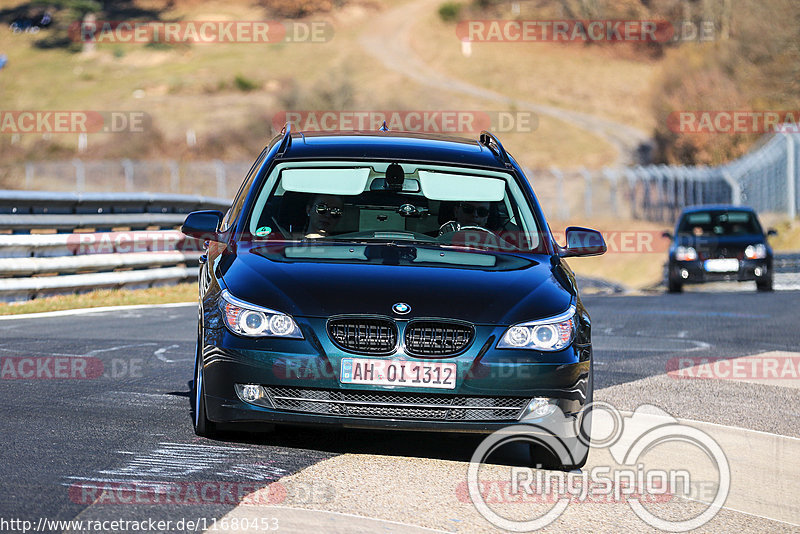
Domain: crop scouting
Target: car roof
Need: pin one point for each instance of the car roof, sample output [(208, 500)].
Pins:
[(385, 145)]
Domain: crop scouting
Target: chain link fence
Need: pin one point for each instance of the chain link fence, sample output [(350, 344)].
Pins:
[(766, 179), (214, 178)]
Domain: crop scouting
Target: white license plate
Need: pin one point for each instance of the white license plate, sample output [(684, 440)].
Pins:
[(722, 265), (440, 375)]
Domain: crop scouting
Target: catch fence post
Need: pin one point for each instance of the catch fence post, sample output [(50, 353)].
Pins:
[(80, 174), (220, 172)]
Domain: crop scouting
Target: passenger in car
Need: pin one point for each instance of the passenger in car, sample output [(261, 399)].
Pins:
[(472, 213)]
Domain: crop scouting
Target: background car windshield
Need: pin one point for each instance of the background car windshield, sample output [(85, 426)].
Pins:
[(400, 203), (719, 222)]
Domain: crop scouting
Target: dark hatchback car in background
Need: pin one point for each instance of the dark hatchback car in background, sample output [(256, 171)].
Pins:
[(388, 280), (719, 243)]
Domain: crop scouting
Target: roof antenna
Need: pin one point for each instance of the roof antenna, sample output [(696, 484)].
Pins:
[(383, 127), (286, 141)]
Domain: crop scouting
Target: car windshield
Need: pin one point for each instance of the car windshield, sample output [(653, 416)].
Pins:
[(719, 223), (392, 202)]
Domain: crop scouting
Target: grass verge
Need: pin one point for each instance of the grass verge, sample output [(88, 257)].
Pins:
[(104, 297)]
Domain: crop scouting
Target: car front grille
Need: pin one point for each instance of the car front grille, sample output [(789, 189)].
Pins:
[(430, 338), (392, 405), (719, 253), (364, 335)]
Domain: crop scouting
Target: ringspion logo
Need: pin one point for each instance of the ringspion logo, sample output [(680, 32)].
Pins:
[(628, 479)]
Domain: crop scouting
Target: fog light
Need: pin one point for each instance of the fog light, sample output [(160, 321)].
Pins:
[(539, 407), (253, 393), (684, 274), (757, 271)]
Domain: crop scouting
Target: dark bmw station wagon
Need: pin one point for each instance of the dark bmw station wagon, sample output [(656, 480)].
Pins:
[(388, 280)]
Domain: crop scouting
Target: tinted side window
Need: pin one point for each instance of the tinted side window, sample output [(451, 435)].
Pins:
[(238, 201)]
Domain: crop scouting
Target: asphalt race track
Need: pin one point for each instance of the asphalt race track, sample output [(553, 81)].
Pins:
[(74, 434)]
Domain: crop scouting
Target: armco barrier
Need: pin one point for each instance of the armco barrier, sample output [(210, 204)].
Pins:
[(54, 243)]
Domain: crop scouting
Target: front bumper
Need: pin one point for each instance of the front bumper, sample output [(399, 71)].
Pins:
[(694, 272), (487, 377)]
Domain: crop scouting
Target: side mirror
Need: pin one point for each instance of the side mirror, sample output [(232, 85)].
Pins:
[(583, 242), (203, 225), (668, 235), (771, 232)]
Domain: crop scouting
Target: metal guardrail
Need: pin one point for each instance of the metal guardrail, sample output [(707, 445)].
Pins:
[(787, 263), (53, 243)]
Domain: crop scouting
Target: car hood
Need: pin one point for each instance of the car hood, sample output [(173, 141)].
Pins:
[(320, 281)]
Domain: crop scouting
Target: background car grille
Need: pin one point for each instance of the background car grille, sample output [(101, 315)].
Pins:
[(397, 405), (429, 338), (365, 335)]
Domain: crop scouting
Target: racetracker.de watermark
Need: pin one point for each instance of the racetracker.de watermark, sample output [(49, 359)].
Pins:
[(757, 367), (616, 241), (201, 32), (71, 122), (583, 31), (734, 121), (255, 493), (131, 241), (69, 368), (423, 121)]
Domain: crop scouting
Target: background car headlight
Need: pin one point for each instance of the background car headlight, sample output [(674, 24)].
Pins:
[(550, 334), (755, 252), (247, 319), (685, 254)]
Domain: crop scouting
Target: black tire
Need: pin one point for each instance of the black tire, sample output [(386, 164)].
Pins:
[(202, 426), (764, 285), (673, 286), (540, 455), (587, 437), (548, 460)]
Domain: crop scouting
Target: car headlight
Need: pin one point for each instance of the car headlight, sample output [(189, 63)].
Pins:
[(685, 254), (554, 333), (249, 320), (755, 252)]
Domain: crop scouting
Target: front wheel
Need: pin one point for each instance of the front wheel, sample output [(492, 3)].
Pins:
[(577, 447), (202, 426), (764, 285), (673, 286)]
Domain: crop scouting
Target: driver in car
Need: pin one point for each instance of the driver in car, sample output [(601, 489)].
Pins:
[(324, 213)]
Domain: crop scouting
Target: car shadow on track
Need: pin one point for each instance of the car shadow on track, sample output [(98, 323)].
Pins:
[(451, 446), (402, 443)]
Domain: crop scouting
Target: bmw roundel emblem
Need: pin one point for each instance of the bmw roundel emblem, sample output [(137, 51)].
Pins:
[(401, 308)]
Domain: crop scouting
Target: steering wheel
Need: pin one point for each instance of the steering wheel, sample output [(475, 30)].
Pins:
[(454, 226)]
